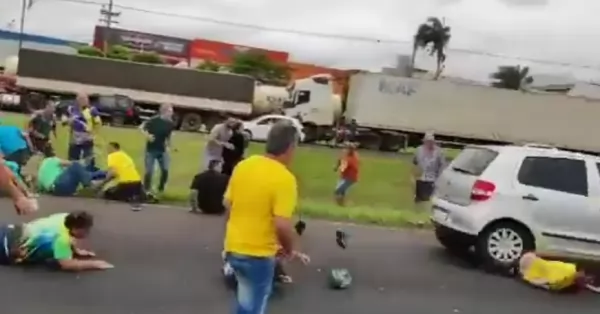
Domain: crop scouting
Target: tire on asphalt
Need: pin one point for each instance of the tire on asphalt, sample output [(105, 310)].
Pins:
[(452, 244), (499, 259)]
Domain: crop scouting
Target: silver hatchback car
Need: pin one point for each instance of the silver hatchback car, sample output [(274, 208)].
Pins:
[(502, 201)]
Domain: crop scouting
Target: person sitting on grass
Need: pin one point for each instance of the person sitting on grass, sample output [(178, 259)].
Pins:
[(51, 241), (207, 190), (347, 166), (61, 177), (127, 185)]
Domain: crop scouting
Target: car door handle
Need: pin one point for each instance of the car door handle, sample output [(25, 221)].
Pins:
[(530, 197)]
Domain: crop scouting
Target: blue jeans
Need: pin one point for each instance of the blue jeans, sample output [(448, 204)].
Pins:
[(163, 160), (342, 187), (69, 180), (83, 151), (254, 277)]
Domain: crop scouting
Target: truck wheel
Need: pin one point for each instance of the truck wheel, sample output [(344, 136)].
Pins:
[(191, 122), (500, 245), (310, 133)]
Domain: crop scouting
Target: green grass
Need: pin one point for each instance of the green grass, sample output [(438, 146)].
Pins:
[(382, 196)]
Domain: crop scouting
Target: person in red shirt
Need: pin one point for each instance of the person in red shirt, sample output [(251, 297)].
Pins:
[(348, 168)]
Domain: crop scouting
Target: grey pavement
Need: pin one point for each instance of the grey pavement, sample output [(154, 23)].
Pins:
[(167, 261)]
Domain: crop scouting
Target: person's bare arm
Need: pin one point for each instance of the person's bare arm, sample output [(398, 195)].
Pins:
[(80, 265), (31, 126), (194, 199), (8, 184), (28, 140), (65, 163)]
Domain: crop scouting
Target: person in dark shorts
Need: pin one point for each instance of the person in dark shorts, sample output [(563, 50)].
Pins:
[(207, 190), (429, 161), (158, 134), (231, 157), (15, 144), (41, 125), (122, 171)]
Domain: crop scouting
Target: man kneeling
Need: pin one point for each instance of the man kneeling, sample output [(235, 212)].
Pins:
[(123, 173), (207, 190), (50, 241)]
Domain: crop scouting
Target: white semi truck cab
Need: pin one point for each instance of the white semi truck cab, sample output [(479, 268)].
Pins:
[(313, 102)]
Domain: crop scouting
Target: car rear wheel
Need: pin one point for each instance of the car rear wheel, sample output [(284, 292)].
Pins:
[(453, 243), (502, 244)]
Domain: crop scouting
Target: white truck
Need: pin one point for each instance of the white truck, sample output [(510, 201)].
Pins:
[(392, 112)]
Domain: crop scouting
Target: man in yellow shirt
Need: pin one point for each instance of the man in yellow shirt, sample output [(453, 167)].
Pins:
[(260, 201), (126, 180)]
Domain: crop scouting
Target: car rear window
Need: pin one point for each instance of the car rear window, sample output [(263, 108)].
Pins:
[(474, 160)]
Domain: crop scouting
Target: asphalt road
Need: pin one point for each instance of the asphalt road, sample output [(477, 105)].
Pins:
[(167, 261)]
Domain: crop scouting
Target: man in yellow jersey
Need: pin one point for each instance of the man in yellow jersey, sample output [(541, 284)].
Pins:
[(260, 201), (123, 173), (554, 275)]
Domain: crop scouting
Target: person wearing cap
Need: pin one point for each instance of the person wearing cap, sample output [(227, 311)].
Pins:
[(218, 140), (157, 131), (429, 161)]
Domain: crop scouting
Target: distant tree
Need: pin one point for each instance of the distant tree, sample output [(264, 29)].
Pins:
[(260, 67), (511, 77), (433, 32), (147, 57), (119, 52), (90, 51), (209, 66)]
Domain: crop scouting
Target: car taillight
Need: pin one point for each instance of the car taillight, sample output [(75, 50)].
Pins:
[(482, 190), (129, 112)]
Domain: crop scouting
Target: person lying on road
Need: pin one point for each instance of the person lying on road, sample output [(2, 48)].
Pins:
[(126, 181), (61, 177), (9, 184), (51, 241), (553, 275)]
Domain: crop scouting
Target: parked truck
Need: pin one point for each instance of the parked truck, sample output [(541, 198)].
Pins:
[(200, 99), (394, 112)]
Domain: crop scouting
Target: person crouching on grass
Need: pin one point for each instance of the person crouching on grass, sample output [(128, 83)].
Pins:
[(207, 190), (347, 166), (128, 182)]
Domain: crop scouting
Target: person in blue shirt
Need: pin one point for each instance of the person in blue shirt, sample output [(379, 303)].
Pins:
[(15, 144), (84, 121)]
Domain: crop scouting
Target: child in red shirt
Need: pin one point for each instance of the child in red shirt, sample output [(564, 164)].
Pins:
[(348, 168)]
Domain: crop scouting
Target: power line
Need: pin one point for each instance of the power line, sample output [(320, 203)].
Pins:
[(329, 36)]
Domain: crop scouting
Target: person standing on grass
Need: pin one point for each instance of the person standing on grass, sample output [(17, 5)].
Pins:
[(158, 132), (429, 162), (260, 200), (41, 125), (84, 121), (348, 168), (231, 157), (218, 140)]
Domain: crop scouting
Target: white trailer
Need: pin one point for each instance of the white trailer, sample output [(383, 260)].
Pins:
[(470, 112)]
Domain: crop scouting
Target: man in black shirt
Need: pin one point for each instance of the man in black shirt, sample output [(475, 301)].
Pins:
[(231, 157), (207, 190)]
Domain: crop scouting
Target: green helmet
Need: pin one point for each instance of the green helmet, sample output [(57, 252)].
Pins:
[(339, 278)]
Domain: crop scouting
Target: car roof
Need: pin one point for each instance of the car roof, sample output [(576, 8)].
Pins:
[(537, 149)]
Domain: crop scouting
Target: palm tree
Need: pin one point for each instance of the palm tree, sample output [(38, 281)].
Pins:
[(434, 32), (511, 77)]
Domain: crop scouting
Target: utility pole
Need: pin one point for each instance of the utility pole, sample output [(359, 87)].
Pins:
[(108, 17)]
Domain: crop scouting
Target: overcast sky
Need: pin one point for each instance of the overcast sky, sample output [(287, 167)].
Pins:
[(555, 30)]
